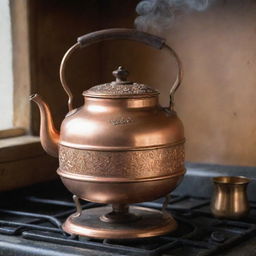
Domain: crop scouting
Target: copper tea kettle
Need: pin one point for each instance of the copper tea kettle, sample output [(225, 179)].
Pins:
[(121, 146)]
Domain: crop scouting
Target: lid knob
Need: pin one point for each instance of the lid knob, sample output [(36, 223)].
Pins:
[(120, 74)]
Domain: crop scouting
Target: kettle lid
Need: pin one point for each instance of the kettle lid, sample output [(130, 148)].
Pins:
[(121, 88)]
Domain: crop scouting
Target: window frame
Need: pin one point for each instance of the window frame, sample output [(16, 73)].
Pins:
[(19, 14), (21, 64), (22, 160)]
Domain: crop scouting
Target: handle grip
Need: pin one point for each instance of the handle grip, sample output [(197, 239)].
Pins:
[(119, 34)]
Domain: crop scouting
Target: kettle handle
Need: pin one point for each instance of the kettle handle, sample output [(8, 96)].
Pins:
[(121, 34)]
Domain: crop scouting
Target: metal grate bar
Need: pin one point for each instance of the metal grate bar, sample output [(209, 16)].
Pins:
[(51, 219), (47, 228)]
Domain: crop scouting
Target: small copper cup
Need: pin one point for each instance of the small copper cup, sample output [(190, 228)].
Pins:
[(230, 197)]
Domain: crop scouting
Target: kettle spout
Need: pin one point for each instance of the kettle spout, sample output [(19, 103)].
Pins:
[(49, 136)]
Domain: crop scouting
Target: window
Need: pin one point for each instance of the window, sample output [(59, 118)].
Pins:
[(6, 71), (21, 154)]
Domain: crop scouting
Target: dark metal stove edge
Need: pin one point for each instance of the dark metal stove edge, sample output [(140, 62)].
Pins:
[(12, 246), (197, 181)]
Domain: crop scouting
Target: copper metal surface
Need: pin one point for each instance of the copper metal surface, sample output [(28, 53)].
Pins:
[(120, 192), (120, 147), (48, 134), (120, 214), (121, 124), (230, 198), (151, 223), (156, 162), (121, 87)]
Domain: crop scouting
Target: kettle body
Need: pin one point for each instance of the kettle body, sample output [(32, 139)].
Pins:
[(121, 146)]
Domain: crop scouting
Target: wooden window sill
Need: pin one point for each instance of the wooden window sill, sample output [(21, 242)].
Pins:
[(13, 132), (23, 162), (18, 148)]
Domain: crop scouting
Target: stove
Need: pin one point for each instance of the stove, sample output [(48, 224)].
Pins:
[(31, 220)]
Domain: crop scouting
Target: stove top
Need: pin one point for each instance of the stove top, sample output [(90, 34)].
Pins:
[(31, 219)]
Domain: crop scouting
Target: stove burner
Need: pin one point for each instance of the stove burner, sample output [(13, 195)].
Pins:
[(29, 223), (218, 237)]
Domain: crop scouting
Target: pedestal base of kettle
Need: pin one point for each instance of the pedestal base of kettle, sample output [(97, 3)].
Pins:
[(142, 222)]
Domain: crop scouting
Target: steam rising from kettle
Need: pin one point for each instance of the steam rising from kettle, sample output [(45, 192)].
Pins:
[(159, 15)]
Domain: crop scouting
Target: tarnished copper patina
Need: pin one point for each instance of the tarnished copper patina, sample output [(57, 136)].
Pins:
[(120, 147)]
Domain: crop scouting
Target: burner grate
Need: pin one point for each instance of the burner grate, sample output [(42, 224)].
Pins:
[(198, 233)]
